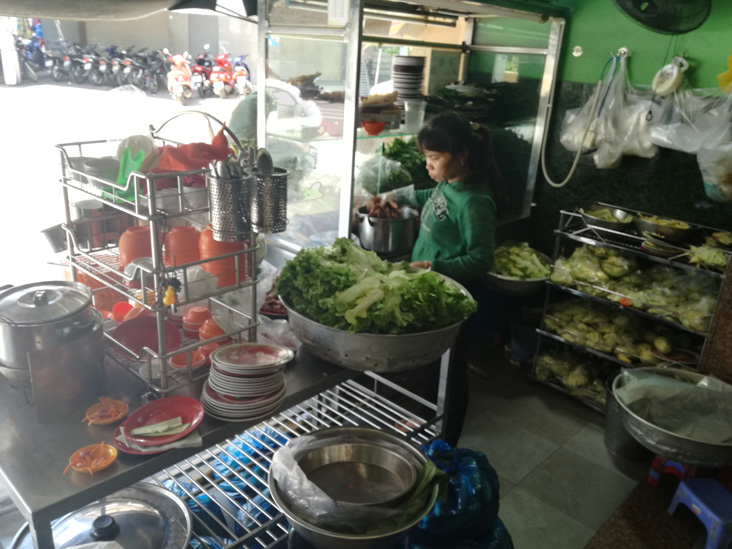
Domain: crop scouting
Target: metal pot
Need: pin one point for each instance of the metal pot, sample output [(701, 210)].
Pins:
[(143, 516), (39, 317), (387, 236)]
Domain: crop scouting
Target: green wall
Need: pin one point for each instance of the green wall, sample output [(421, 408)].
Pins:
[(600, 28)]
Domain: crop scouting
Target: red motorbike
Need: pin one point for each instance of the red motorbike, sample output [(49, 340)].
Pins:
[(202, 73), (222, 76), (179, 79)]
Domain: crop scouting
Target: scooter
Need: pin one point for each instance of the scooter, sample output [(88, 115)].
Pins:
[(26, 70), (202, 73), (179, 78), (242, 76), (222, 76), (156, 73)]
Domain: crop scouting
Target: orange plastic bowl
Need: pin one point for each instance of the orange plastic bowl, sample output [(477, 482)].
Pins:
[(372, 127), (210, 329), (181, 359), (195, 316), (92, 459), (119, 407)]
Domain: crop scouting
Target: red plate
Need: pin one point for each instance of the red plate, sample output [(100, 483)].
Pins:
[(128, 449), (142, 331), (188, 409), (244, 402), (251, 355)]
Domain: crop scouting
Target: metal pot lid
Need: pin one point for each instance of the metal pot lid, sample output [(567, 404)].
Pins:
[(43, 302), (143, 516)]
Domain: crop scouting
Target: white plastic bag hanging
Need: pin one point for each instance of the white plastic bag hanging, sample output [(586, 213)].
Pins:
[(716, 168), (690, 122), (622, 123), (618, 120)]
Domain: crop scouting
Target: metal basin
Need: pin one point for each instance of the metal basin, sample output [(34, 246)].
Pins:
[(666, 443), (360, 473), (325, 539), (371, 352), (623, 223), (676, 234)]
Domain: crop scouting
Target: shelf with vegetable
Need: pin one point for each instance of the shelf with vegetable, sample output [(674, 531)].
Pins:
[(609, 297), (575, 373), (678, 296), (619, 335), (695, 248)]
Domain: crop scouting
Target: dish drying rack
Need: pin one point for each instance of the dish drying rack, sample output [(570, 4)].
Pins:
[(96, 259), (227, 483)]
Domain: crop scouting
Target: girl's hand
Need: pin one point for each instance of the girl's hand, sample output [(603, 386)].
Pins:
[(421, 265)]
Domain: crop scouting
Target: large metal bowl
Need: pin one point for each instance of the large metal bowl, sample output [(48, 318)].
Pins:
[(325, 539), (673, 233), (372, 352), (665, 443), (361, 474), (623, 222), (510, 285)]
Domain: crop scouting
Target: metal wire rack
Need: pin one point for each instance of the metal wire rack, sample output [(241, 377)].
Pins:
[(226, 485)]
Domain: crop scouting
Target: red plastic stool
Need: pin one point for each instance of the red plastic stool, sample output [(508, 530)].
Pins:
[(712, 504), (662, 465)]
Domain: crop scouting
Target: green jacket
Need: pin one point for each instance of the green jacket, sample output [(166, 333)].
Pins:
[(457, 230)]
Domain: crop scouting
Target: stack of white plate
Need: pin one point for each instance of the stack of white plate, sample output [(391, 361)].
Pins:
[(247, 381), (407, 73)]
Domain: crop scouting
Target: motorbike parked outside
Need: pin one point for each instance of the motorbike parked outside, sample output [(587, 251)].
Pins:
[(80, 63), (156, 72), (222, 76), (26, 70), (202, 72), (33, 52), (242, 76), (60, 61), (179, 78)]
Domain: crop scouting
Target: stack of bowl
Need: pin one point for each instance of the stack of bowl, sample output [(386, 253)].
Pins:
[(247, 380), (193, 320), (181, 245), (224, 269), (407, 73)]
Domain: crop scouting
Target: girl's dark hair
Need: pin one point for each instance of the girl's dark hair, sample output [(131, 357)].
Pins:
[(450, 132)]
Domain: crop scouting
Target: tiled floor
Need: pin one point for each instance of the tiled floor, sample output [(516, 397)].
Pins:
[(558, 483)]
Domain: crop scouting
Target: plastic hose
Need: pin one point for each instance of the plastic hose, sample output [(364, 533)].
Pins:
[(590, 120)]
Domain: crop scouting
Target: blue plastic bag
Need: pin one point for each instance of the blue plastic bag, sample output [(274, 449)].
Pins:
[(244, 450), (467, 514)]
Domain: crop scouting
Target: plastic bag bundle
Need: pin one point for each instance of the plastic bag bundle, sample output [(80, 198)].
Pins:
[(716, 169), (246, 450), (468, 515), (689, 122), (617, 115), (622, 126)]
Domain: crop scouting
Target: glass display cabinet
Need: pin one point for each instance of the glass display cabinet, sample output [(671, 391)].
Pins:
[(319, 58)]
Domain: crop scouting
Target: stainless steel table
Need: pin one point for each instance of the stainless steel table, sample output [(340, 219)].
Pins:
[(33, 456)]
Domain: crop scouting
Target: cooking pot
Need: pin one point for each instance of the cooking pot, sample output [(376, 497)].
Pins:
[(38, 317), (387, 236), (142, 516)]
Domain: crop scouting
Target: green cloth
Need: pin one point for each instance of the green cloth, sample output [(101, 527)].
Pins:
[(457, 230)]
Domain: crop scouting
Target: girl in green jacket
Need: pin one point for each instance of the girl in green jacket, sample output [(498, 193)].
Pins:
[(458, 221)]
